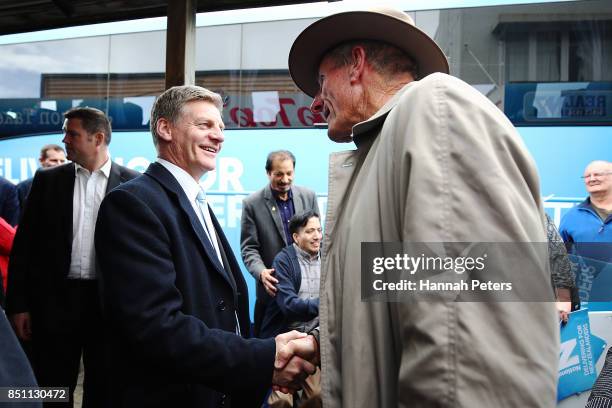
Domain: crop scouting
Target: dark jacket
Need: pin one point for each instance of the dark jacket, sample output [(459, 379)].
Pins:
[(170, 304), (9, 203), (287, 306), (42, 250)]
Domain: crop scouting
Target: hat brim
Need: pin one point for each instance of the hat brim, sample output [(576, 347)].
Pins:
[(322, 35)]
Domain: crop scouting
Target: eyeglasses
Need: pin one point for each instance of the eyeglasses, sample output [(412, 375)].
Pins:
[(595, 175)]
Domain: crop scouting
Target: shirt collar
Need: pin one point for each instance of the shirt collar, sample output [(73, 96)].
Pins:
[(105, 169), (379, 117), (187, 183), (303, 254), (275, 194)]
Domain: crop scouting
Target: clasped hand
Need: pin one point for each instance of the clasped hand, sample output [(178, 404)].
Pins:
[(297, 355)]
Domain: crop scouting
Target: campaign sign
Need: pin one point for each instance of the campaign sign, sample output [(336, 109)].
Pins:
[(594, 278), (577, 356)]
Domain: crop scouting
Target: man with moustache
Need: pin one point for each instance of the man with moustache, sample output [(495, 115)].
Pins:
[(435, 162), (174, 297), (265, 225)]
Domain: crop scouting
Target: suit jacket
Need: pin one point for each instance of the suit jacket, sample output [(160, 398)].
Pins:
[(23, 189), (9, 204), (261, 234), (170, 304), (41, 255)]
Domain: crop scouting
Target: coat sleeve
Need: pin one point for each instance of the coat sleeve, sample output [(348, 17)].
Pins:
[(9, 206), (249, 241), (23, 245), (141, 301), (287, 298)]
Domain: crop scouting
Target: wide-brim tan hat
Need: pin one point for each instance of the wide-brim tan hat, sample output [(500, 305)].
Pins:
[(387, 25)]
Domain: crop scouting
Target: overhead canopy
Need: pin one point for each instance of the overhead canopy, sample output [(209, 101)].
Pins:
[(18, 16)]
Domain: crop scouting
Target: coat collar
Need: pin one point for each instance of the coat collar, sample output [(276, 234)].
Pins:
[(167, 180), (362, 129), (114, 177)]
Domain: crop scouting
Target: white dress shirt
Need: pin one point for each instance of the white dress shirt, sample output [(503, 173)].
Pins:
[(191, 189), (89, 190)]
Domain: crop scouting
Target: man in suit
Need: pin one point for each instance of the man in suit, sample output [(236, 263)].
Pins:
[(174, 296), (265, 225), (51, 155), (9, 203), (52, 295)]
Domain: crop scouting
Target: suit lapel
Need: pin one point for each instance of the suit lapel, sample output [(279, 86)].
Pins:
[(274, 212), (298, 201), (114, 178), (66, 186), (165, 178)]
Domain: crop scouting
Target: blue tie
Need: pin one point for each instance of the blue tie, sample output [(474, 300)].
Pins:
[(201, 201)]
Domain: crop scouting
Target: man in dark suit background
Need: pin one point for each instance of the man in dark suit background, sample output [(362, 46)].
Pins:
[(52, 295), (265, 225), (9, 203), (172, 291), (51, 155)]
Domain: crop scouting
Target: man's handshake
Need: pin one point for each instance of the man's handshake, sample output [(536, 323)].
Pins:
[(297, 355)]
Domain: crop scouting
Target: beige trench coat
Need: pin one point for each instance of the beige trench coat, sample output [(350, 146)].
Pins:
[(438, 163)]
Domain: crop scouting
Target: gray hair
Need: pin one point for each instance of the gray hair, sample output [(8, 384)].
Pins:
[(170, 104), (386, 59)]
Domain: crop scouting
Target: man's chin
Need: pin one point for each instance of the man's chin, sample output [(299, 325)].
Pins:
[(339, 137)]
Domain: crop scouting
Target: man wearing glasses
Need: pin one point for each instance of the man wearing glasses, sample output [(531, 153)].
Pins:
[(590, 222), (587, 232)]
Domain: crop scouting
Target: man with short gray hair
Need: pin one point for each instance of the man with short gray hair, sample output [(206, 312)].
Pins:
[(436, 162), (174, 295)]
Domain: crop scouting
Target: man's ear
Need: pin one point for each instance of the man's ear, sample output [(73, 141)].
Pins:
[(358, 62), (294, 236), (164, 129), (99, 138)]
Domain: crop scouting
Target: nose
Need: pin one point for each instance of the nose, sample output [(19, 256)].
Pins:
[(317, 104), (217, 135)]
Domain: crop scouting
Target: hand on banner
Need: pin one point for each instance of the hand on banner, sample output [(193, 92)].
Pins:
[(291, 366), (302, 351), (564, 309)]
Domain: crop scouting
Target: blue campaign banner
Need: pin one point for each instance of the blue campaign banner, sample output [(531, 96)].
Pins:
[(594, 278), (577, 356)]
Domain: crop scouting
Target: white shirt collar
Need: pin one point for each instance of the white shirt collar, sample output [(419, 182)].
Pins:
[(187, 183), (105, 169)]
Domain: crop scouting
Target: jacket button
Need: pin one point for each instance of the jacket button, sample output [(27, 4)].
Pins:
[(221, 305)]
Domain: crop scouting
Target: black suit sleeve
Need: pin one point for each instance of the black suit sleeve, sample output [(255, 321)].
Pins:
[(23, 247), (142, 302)]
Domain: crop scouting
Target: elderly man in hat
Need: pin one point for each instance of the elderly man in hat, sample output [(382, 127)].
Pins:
[(435, 162)]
